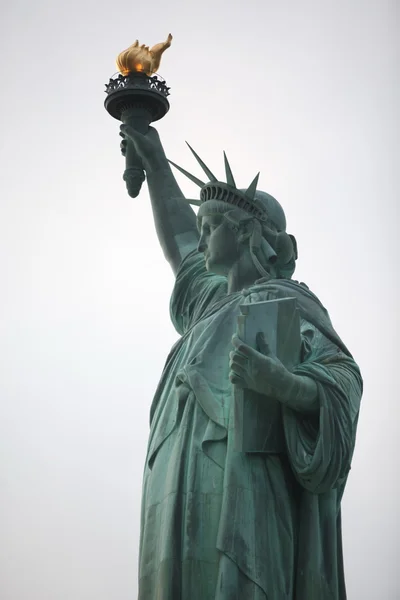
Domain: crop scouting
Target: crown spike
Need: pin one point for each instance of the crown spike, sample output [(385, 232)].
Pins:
[(188, 175), (251, 190), (229, 175), (189, 201), (206, 170)]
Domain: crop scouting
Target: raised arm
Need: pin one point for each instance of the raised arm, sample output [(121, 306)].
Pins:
[(174, 219)]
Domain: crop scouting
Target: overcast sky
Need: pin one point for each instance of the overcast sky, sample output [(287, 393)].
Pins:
[(307, 93)]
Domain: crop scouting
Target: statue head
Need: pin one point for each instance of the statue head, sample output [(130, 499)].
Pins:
[(248, 220)]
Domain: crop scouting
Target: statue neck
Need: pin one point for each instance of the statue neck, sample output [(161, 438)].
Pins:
[(242, 274)]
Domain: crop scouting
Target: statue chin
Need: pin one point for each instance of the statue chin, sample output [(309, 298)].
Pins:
[(209, 265), (215, 268)]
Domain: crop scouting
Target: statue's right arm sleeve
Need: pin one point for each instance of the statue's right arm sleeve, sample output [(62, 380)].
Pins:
[(174, 219)]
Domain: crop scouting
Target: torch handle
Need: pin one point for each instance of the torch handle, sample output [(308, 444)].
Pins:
[(139, 119)]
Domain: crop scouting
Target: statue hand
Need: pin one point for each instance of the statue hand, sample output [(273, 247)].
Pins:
[(148, 147), (259, 371), (262, 372)]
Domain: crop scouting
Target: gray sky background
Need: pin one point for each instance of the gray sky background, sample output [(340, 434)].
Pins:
[(307, 93)]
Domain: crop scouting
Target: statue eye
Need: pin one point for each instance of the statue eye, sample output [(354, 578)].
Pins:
[(215, 223)]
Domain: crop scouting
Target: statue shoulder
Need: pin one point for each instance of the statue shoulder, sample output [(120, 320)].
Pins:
[(280, 288), (310, 307)]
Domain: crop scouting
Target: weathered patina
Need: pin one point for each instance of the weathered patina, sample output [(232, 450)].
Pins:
[(218, 523)]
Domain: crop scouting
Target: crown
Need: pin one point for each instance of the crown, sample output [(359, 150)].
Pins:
[(225, 192)]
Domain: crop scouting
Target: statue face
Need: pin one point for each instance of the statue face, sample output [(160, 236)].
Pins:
[(219, 244)]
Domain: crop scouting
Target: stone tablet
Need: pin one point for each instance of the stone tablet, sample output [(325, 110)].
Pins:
[(258, 426)]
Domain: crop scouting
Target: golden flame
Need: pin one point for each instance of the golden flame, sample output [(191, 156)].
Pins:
[(141, 58)]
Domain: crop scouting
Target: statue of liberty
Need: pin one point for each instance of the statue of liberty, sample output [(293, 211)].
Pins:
[(217, 523)]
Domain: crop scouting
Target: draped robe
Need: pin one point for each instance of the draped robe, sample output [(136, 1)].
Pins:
[(217, 524)]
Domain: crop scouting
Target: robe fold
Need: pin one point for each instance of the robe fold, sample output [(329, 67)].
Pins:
[(217, 524)]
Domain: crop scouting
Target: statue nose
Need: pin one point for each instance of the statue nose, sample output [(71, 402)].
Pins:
[(201, 246)]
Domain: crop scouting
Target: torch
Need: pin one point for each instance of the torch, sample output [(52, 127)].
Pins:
[(137, 96)]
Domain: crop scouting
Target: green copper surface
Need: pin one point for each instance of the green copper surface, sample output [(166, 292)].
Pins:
[(219, 522)]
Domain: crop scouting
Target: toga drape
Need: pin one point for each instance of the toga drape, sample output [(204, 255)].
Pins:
[(222, 525)]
